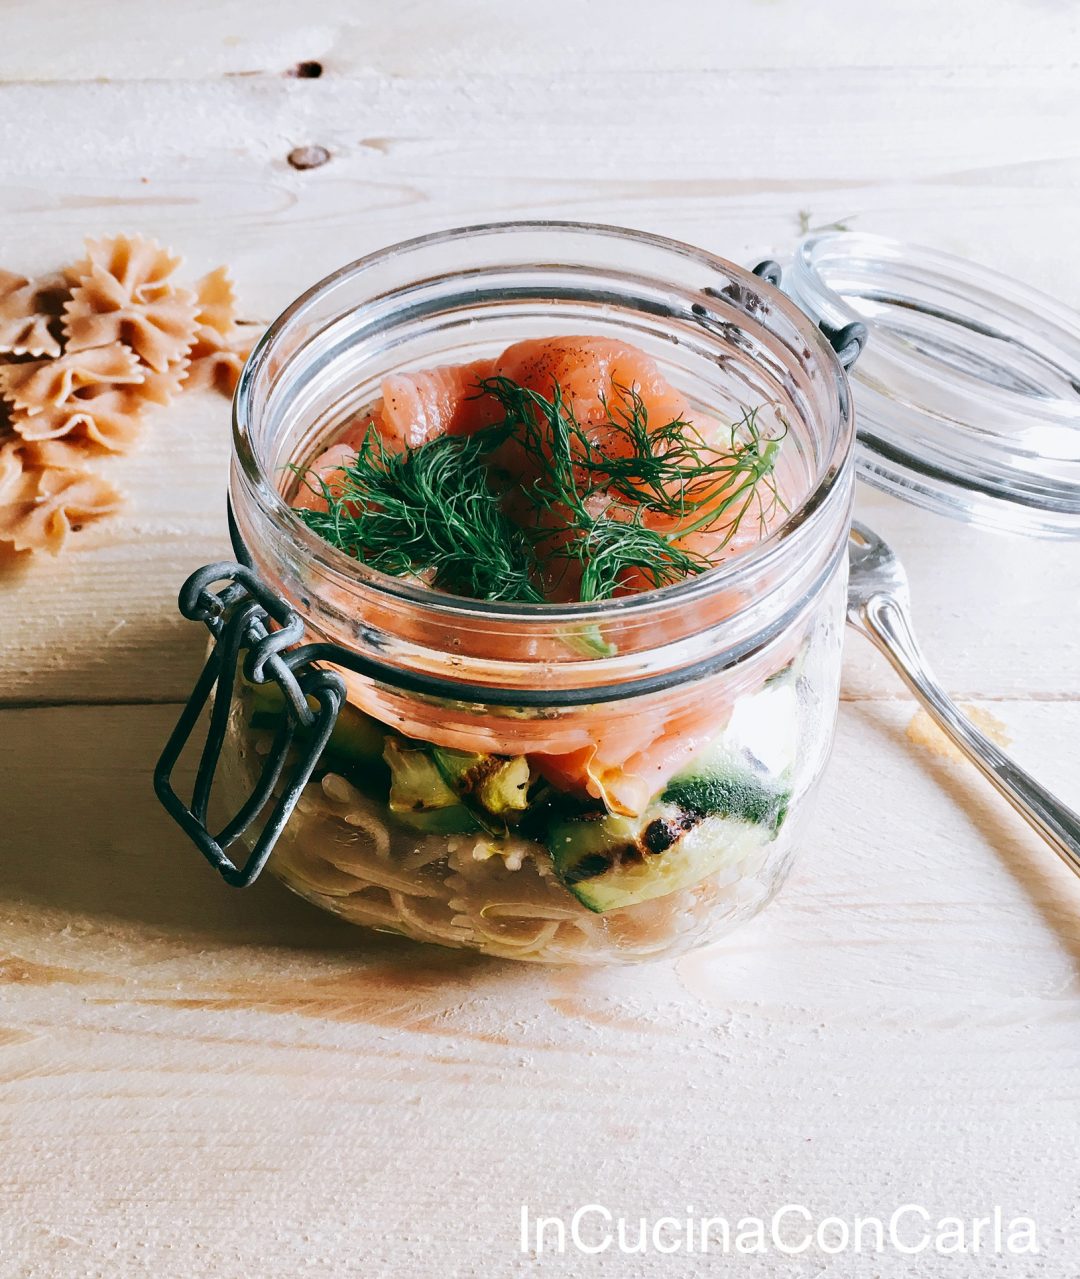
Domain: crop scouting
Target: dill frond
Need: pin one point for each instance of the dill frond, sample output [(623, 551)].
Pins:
[(617, 542), (428, 512), (606, 501), (668, 470)]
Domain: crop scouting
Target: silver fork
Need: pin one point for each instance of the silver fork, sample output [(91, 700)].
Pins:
[(879, 606)]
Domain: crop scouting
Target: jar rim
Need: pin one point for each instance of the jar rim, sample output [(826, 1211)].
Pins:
[(345, 572)]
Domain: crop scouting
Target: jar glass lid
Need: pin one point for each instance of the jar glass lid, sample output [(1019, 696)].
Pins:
[(967, 395)]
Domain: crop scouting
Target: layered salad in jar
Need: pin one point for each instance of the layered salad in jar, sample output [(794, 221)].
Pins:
[(566, 470)]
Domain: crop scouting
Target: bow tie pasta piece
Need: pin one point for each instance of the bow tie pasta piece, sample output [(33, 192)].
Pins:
[(216, 297), (41, 506), (221, 346), (11, 467), (29, 314), (218, 367), (125, 293), (109, 416), (60, 455), (84, 353), (40, 385)]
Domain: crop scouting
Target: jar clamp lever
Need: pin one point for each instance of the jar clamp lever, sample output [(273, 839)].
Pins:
[(242, 614), (847, 341)]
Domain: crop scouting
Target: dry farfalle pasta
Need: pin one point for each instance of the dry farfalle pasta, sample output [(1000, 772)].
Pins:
[(92, 395), (221, 345), (109, 337), (124, 292), (30, 313), (11, 465), (219, 369), (36, 385), (216, 298), (40, 504), (107, 415)]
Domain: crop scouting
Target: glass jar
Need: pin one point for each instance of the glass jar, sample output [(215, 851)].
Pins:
[(656, 754)]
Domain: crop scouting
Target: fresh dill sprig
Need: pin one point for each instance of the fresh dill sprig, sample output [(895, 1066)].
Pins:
[(428, 512), (604, 502), (673, 469), (617, 542), (670, 471)]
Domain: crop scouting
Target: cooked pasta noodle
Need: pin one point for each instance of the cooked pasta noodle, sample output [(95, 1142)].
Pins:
[(343, 851)]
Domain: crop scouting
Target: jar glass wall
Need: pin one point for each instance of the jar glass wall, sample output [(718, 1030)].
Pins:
[(645, 764)]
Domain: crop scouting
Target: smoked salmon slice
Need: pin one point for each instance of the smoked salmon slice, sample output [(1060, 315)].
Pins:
[(594, 375), (414, 408)]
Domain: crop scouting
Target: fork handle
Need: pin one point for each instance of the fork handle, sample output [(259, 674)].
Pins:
[(884, 621)]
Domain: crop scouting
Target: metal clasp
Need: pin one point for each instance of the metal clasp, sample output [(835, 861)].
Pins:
[(244, 616), (847, 342)]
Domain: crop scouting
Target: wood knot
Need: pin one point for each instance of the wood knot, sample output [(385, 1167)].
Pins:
[(308, 157), (306, 71)]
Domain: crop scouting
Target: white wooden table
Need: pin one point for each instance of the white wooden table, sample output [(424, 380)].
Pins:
[(199, 1082)]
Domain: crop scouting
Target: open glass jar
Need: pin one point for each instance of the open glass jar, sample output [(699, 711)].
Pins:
[(653, 756)]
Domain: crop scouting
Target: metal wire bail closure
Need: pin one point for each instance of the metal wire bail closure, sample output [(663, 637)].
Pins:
[(244, 617), (847, 342)]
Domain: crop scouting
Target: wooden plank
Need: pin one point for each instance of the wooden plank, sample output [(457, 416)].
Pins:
[(99, 622), (651, 152), (52, 40), (303, 1095), (205, 167), (200, 1082), (219, 190)]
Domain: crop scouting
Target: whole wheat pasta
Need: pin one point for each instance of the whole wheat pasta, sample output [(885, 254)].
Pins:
[(109, 336), (107, 415), (44, 506), (38, 385), (219, 368), (124, 293), (221, 346), (216, 298), (59, 455), (11, 466), (29, 312)]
